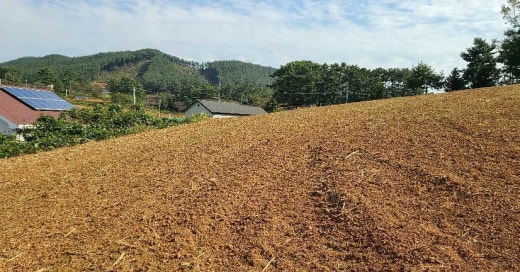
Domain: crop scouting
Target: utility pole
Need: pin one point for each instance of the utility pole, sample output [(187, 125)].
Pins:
[(219, 87), (159, 109), (134, 98), (346, 96)]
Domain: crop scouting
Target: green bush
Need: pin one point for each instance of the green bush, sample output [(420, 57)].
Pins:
[(81, 125), (197, 118), (10, 146)]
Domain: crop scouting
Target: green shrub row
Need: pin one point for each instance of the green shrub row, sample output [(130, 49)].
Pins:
[(82, 125)]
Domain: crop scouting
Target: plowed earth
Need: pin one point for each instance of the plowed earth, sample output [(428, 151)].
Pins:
[(428, 183)]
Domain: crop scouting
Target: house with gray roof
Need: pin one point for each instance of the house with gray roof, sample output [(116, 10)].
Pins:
[(220, 109)]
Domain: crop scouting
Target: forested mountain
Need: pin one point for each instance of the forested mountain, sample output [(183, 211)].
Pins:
[(90, 68), (157, 72)]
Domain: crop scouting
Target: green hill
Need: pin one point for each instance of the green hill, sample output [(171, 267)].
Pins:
[(156, 71)]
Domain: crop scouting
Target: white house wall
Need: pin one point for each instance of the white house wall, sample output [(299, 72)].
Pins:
[(7, 127), (224, 115), (197, 109)]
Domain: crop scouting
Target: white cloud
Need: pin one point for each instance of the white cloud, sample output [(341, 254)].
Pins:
[(369, 33)]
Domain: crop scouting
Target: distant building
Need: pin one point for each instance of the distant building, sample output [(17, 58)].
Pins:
[(20, 107), (217, 109)]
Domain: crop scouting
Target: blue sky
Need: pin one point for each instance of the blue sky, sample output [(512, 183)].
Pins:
[(368, 33)]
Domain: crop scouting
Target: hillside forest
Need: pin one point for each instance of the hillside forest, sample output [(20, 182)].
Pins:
[(171, 83)]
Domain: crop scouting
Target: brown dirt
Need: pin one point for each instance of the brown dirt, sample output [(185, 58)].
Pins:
[(428, 183)]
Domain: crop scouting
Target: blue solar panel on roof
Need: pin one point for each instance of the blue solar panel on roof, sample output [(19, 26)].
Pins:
[(39, 99)]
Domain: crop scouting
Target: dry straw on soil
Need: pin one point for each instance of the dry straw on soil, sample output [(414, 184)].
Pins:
[(421, 183)]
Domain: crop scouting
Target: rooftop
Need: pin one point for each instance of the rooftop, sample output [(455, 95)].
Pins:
[(230, 108)]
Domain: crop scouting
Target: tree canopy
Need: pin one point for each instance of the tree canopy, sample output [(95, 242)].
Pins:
[(482, 68), (509, 56), (422, 78), (297, 83), (510, 48), (511, 12), (454, 81), (304, 83)]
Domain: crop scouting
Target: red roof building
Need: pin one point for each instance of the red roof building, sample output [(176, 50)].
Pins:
[(21, 107)]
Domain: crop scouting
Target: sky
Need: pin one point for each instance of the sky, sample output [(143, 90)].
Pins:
[(367, 33)]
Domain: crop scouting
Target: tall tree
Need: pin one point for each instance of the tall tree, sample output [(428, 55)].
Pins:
[(296, 83), (511, 12), (509, 56), (454, 81), (70, 77), (46, 76), (482, 68), (394, 80), (330, 85), (362, 84), (422, 78), (510, 48)]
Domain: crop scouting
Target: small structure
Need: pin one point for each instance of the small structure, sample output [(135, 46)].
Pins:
[(217, 109), (21, 107)]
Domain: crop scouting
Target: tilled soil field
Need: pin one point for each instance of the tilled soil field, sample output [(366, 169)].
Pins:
[(429, 183)]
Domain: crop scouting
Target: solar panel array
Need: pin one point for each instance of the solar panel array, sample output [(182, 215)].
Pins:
[(39, 99)]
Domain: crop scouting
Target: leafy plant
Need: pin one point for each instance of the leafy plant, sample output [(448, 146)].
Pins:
[(81, 125)]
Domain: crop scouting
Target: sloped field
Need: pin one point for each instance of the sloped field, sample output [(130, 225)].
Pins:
[(423, 183)]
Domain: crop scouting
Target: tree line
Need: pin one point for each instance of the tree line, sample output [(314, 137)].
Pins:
[(304, 83)]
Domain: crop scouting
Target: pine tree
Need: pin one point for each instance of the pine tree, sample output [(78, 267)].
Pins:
[(482, 68), (454, 81)]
